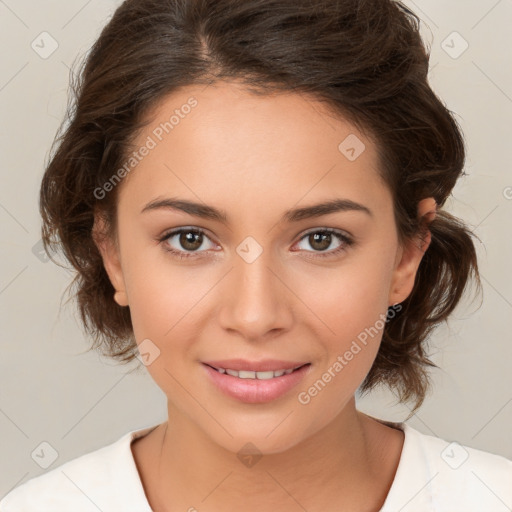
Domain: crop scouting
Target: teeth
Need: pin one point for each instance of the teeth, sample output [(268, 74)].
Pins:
[(245, 374)]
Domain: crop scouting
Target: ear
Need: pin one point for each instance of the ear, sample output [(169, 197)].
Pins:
[(409, 257), (109, 251)]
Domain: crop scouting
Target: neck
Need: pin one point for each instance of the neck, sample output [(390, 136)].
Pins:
[(340, 462)]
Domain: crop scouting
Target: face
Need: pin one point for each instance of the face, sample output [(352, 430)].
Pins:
[(249, 280)]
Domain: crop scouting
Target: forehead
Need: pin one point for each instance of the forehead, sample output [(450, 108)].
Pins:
[(224, 142)]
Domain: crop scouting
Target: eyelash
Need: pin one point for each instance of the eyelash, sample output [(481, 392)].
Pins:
[(182, 255)]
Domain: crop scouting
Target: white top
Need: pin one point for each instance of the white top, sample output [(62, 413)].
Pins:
[(432, 475)]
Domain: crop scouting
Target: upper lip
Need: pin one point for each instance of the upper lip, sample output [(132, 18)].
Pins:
[(265, 365)]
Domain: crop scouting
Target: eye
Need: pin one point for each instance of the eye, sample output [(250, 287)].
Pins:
[(322, 239), (187, 239)]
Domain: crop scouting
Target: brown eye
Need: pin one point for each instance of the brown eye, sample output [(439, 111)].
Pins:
[(185, 241), (322, 239), (190, 240)]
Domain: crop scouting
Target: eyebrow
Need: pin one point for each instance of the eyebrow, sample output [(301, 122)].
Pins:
[(293, 215)]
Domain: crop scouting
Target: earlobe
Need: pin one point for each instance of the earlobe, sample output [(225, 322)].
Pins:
[(111, 260), (409, 257), (121, 298)]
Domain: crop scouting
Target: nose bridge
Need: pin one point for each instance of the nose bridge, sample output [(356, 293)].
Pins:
[(255, 300)]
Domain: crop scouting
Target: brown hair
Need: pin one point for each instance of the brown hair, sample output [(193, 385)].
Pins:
[(364, 59)]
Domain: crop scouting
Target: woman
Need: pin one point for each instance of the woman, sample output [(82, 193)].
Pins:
[(251, 194)]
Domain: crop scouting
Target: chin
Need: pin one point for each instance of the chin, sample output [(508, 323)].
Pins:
[(274, 434)]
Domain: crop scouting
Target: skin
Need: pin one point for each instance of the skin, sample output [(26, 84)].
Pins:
[(255, 157)]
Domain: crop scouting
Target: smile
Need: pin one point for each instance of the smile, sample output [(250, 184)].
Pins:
[(247, 374), (251, 386)]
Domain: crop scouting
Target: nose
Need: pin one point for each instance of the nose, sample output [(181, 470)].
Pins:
[(257, 302)]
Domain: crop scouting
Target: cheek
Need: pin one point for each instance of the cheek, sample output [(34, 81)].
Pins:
[(165, 298), (349, 306), (350, 318), (346, 300)]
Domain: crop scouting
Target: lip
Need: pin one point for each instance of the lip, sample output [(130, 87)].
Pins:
[(265, 365), (255, 390)]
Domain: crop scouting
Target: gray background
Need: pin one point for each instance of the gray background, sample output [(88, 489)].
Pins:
[(52, 390)]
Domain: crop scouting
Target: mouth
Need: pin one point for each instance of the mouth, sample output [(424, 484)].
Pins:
[(253, 387), (262, 375)]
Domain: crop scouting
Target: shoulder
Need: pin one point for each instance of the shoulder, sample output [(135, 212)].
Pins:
[(72, 483), (461, 459), (94, 481), (448, 476)]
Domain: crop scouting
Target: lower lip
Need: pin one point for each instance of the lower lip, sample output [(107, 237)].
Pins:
[(255, 391)]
